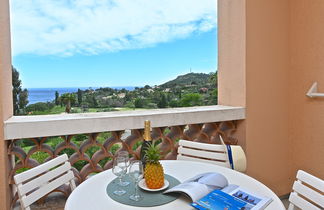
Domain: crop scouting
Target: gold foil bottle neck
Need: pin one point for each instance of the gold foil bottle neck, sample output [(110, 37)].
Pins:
[(147, 130)]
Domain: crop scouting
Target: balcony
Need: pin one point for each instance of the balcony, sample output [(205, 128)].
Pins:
[(107, 133), (270, 53)]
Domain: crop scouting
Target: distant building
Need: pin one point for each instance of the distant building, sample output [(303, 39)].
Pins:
[(203, 90), (106, 97), (121, 95), (166, 90)]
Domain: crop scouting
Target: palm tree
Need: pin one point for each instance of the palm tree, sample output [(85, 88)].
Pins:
[(68, 99), (213, 78)]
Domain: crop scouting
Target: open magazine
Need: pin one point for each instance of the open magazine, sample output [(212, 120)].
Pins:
[(212, 191)]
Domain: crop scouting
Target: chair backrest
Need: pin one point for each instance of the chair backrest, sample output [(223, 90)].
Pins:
[(230, 156), (308, 192), (41, 180), (210, 153)]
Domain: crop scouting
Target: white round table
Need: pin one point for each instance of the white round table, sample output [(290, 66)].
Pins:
[(91, 194)]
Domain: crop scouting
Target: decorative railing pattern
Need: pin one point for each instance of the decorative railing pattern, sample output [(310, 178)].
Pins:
[(92, 140), (94, 152)]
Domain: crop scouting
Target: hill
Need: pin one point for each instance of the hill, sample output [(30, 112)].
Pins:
[(188, 79)]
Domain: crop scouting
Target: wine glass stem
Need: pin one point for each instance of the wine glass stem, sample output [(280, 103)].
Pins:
[(136, 192), (120, 180)]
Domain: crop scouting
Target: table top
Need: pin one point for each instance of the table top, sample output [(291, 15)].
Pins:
[(91, 194)]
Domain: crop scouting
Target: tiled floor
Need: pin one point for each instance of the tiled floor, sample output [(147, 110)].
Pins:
[(57, 202)]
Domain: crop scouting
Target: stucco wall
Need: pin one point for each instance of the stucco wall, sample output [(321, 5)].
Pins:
[(231, 72), (231, 56), (267, 65), (6, 100), (307, 65), (263, 84), (284, 55)]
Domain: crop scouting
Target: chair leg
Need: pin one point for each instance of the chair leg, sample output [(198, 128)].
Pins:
[(291, 206), (72, 185)]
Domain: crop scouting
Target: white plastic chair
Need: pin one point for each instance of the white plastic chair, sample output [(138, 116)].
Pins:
[(309, 197), (213, 153), (41, 180)]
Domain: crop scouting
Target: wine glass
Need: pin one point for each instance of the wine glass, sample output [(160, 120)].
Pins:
[(136, 173), (119, 168), (124, 154)]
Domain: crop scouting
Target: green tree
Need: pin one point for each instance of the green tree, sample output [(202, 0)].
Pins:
[(139, 103), (178, 92), (128, 96), (163, 103), (174, 103), (79, 97), (213, 78), (191, 99), (57, 95), (16, 90), (169, 98), (130, 104), (23, 100), (19, 96), (151, 106), (40, 107), (213, 97), (94, 102), (156, 96), (68, 99)]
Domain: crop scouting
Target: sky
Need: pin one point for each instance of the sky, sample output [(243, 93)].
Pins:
[(109, 43)]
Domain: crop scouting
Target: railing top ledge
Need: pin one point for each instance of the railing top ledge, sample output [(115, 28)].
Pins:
[(64, 124)]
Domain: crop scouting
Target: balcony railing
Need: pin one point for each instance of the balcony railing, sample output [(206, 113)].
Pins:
[(92, 139)]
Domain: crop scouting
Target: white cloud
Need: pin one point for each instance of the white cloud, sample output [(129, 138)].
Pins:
[(68, 27)]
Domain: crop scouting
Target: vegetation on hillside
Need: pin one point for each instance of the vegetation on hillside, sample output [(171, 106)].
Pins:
[(188, 79), (193, 89)]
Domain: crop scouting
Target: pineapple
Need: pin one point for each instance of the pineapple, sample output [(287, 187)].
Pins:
[(153, 172)]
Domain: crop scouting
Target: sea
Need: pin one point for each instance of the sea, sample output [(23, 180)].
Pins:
[(48, 94)]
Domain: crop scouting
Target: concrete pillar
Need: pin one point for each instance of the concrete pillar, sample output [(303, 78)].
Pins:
[(6, 110), (267, 83), (231, 52), (231, 58), (253, 72)]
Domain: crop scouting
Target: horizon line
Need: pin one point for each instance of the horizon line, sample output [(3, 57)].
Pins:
[(88, 86), (121, 85)]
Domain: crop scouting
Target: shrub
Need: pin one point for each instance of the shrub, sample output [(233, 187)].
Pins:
[(40, 106), (191, 99)]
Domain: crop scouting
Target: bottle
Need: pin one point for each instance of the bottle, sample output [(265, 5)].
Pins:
[(147, 141)]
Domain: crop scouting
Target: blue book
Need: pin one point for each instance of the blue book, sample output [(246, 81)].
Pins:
[(219, 200), (212, 191)]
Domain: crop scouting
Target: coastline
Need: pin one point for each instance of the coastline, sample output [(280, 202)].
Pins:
[(36, 95)]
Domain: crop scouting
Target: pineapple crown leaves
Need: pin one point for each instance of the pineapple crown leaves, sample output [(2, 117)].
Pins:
[(153, 153)]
